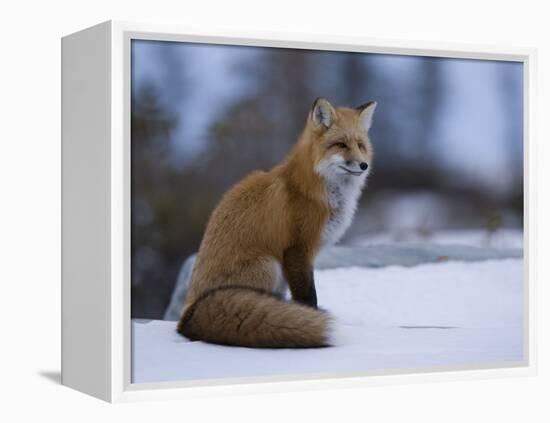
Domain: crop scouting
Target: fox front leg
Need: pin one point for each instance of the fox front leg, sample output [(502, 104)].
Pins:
[(298, 271)]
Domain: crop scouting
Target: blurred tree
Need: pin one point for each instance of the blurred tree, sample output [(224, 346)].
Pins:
[(355, 79), (404, 124), (511, 90), (257, 131), (151, 127), (166, 225)]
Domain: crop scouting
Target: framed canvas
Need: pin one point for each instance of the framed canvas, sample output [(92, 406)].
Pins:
[(265, 212)]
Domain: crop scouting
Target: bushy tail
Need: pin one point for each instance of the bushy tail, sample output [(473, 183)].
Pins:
[(253, 318)]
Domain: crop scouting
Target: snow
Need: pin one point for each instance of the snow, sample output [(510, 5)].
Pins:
[(406, 254), (427, 316), (509, 238), (375, 255)]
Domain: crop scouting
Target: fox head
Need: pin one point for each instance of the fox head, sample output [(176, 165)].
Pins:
[(339, 140)]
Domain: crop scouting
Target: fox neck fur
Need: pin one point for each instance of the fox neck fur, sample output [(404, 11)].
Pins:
[(335, 194)]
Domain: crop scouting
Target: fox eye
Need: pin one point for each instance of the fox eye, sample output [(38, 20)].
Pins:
[(341, 145), (361, 147)]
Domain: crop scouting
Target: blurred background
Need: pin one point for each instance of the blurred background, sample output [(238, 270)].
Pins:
[(448, 138)]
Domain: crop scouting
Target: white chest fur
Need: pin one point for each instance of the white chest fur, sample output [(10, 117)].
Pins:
[(343, 194)]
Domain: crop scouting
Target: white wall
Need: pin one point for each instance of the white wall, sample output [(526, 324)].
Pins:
[(30, 188)]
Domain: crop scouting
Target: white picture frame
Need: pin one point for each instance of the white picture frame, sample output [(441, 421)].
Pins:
[(96, 324)]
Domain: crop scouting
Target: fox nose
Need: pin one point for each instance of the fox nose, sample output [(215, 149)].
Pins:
[(363, 165)]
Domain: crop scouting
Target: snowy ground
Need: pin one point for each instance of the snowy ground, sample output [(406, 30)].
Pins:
[(432, 315), (503, 238)]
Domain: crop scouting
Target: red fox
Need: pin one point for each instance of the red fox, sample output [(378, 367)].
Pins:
[(265, 233)]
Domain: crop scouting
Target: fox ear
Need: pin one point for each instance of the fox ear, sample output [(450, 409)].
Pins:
[(366, 111), (322, 113)]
